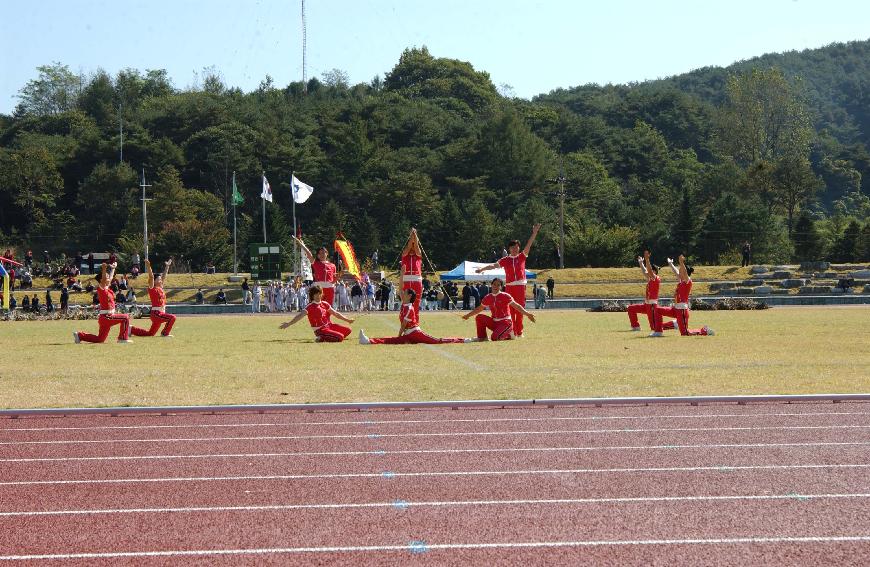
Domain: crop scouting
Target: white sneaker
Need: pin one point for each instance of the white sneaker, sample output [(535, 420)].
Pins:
[(710, 332), (124, 341), (656, 334), (635, 329), (166, 336), (466, 341), (76, 337), (363, 339)]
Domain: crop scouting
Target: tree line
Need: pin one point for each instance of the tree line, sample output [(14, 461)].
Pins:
[(695, 164)]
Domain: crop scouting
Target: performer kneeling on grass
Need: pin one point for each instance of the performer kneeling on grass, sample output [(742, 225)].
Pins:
[(680, 309), (108, 318), (651, 298), (514, 265), (318, 312), (409, 331), (323, 270), (500, 305), (159, 315)]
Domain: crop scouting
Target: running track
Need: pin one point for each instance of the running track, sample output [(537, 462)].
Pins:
[(750, 484)]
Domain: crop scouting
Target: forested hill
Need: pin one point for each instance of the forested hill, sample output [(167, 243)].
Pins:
[(774, 151)]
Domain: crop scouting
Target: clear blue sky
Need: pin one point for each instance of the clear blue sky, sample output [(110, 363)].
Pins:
[(534, 46)]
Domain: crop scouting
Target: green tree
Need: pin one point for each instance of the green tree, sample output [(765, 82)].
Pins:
[(764, 117), (807, 241), (56, 90), (32, 182), (846, 247), (105, 200)]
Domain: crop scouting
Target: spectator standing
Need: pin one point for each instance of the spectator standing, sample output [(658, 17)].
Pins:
[(747, 254), (385, 290), (28, 259), (375, 260), (79, 261), (466, 296), (64, 300), (541, 296), (475, 295), (356, 294), (49, 305), (135, 261), (551, 285), (91, 263), (246, 292), (255, 298), (370, 295)]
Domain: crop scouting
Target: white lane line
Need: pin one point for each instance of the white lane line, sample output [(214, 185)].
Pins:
[(390, 475), (382, 453), (433, 434), (432, 421), (437, 504), (420, 547)]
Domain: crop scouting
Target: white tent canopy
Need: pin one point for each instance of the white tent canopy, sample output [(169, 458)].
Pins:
[(466, 272)]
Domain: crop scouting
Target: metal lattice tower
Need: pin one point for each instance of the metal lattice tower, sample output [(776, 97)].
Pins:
[(304, 50)]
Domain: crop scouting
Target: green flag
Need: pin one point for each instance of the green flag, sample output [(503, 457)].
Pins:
[(237, 197)]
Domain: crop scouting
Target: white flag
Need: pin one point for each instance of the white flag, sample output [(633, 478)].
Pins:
[(301, 191), (267, 190)]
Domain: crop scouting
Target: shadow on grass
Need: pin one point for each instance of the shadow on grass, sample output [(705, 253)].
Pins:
[(260, 341)]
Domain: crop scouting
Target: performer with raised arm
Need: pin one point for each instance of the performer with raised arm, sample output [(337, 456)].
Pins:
[(651, 297), (324, 271), (514, 265), (409, 329), (319, 312), (158, 315), (500, 305), (108, 318), (412, 268), (680, 309)]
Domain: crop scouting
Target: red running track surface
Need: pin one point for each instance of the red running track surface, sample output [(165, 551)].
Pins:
[(756, 484)]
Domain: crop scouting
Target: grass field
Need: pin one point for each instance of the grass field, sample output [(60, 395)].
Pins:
[(570, 282), (247, 359)]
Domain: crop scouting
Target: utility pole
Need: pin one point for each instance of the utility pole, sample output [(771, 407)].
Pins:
[(121, 128), (304, 49), (561, 180), (145, 200)]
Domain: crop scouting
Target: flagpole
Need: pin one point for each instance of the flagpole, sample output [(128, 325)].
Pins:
[(264, 213), (235, 244), (293, 195)]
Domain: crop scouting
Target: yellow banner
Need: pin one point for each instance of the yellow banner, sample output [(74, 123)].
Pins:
[(348, 257)]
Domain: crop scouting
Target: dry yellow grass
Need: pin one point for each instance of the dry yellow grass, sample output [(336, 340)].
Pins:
[(247, 359)]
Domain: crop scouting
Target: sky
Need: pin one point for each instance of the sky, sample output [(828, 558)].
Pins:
[(534, 46)]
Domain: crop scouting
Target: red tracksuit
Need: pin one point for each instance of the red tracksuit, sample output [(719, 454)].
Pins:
[(515, 284), (651, 300), (413, 335), (324, 276), (500, 323), (412, 277), (108, 319), (324, 329), (158, 315), (679, 311)]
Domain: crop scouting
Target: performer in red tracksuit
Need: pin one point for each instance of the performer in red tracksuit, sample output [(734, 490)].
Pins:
[(412, 268), (319, 312), (651, 298), (409, 330), (108, 318), (514, 265), (500, 305), (159, 316), (323, 270), (680, 309)]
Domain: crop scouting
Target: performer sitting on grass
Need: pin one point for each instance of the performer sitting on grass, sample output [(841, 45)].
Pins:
[(318, 312), (158, 315), (409, 331), (651, 299), (108, 318), (500, 304), (324, 271), (514, 265), (680, 309)]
